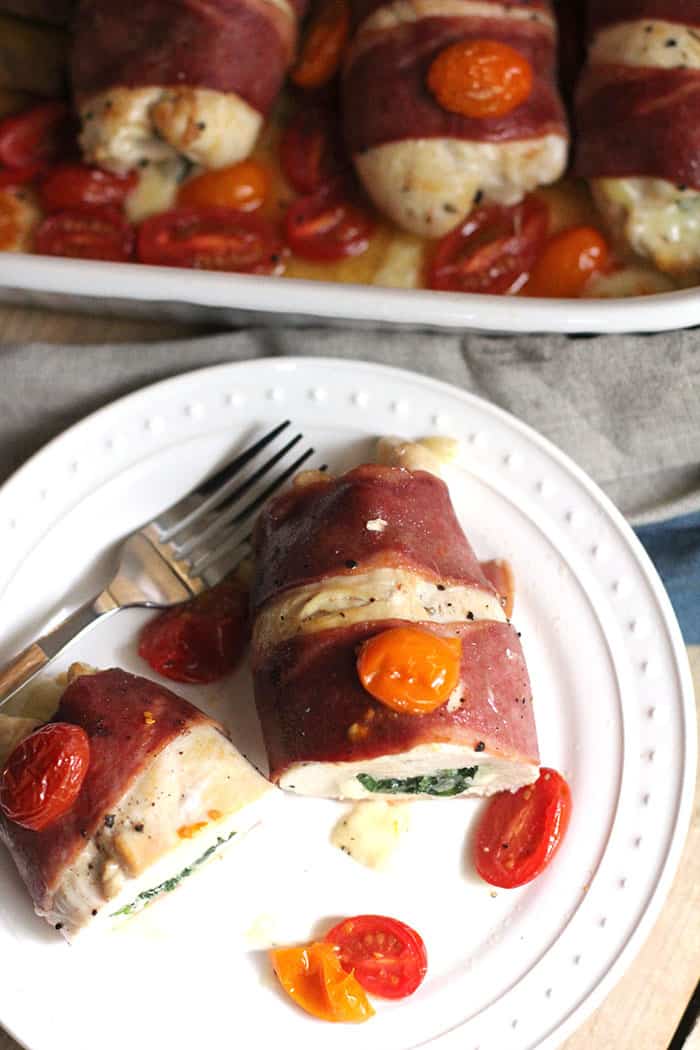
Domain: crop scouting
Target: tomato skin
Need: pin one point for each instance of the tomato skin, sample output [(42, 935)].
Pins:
[(201, 640), (520, 832), (243, 186), (211, 239), (493, 251), (310, 152), (313, 977), (567, 262), (409, 669), (69, 186), (387, 957), (480, 78), (323, 45), (19, 176), (36, 136), (99, 233), (44, 774), (326, 225)]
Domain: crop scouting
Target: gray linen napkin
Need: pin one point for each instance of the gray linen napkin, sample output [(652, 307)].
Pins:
[(624, 407)]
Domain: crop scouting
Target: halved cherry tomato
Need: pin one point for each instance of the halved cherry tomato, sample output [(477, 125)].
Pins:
[(19, 176), (568, 261), (521, 831), (201, 640), (480, 78), (310, 150), (211, 239), (86, 233), (499, 572), (35, 137), (327, 225), (314, 978), (243, 186), (69, 186), (323, 45), (409, 669), (387, 957), (493, 251), (44, 774)]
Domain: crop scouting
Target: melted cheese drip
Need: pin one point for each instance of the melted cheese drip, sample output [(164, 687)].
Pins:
[(371, 832)]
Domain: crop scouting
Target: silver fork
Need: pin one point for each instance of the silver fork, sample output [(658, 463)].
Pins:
[(183, 551)]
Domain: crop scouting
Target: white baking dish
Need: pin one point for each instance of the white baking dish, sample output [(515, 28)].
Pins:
[(232, 299)]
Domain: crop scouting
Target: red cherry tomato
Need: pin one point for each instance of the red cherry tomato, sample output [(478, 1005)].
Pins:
[(493, 251), (70, 186), (310, 150), (211, 239), (44, 774), (35, 137), (389, 958), (86, 233), (327, 225), (19, 176), (521, 831), (201, 640)]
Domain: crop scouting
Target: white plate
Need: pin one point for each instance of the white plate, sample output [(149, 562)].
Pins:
[(224, 298), (508, 971)]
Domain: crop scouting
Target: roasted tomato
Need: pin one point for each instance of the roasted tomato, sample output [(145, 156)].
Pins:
[(328, 225), (567, 262), (19, 176), (313, 977), (36, 137), (499, 573), (211, 239), (493, 251), (409, 669), (69, 186), (480, 78), (310, 151), (44, 774), (242, 186), (323, 45), (201, 640), (521, 831), (387, 957), (86, 233)]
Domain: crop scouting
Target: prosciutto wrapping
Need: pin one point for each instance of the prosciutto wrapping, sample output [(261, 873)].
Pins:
[(423, 165), (638, 121), (344, 560), (164, 789), (157, 78)]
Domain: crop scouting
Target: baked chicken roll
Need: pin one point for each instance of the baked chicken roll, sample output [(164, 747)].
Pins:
[(382, 660), (638, 122), (424, 157), (159, 79), (164, 789)]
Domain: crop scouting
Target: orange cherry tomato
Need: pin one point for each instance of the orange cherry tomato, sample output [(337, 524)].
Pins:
[(44, 774), (243, 186), (480, 78), (500, 573), (323, 45), (11, 220), (313, 977), (568, 261), (409, 669)]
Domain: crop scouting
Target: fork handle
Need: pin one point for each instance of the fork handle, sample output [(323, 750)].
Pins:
[(21, 669)]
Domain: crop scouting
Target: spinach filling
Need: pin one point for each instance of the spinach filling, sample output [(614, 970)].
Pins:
[(146, 896), (444, 783)]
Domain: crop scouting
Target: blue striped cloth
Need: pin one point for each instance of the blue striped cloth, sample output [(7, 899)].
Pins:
[(674, 547)]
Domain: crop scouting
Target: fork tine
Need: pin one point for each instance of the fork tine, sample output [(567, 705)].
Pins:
[(214, 488)]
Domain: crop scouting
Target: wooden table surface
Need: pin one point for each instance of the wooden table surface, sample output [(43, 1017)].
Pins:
[(645, 1010)]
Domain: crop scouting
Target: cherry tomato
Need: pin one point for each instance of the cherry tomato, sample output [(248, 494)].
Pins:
[(567, 262), (326, 225), (69, 186), (493, 251), (86, 233), (310, 152), (211, 239), (521, 831), (387, 957), (35, 137), (243, 186), (409, 669), (19, 176), (323, 45), (201, 640), (500, 573), (480, 78), (314, 978), (44, 774)]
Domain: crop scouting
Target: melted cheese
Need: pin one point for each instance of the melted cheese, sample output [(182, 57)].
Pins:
[(646, 43), (156, 190), (371, 832)]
